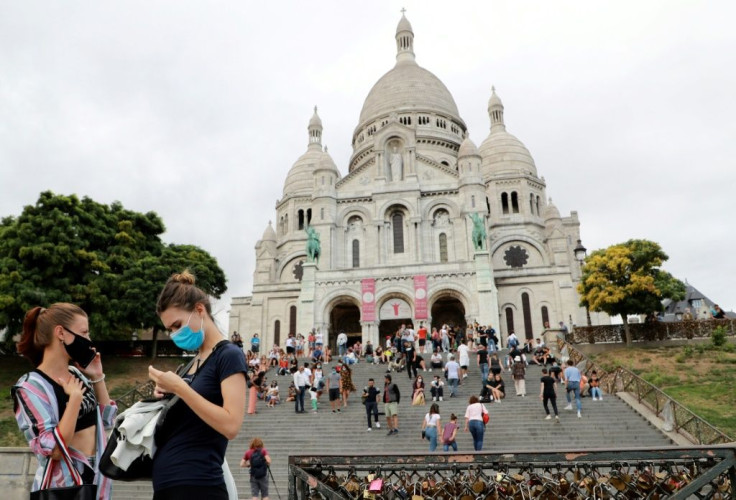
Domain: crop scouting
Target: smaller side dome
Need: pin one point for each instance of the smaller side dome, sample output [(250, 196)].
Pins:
[(327, 163), (467, 148), (551, 212), (269, 234)]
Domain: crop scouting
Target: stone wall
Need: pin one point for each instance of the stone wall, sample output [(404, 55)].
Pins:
[(17, 468), (650, 331)]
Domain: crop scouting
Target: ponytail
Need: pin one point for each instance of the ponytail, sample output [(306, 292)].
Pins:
[(27, 346)]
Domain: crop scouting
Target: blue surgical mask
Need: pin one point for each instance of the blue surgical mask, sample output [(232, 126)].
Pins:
[(187, 339)]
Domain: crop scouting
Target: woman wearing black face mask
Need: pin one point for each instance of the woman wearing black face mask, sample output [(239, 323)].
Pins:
[(58, 401)]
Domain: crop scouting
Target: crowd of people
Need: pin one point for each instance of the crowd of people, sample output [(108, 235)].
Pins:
[(65, 409), (436, 362)]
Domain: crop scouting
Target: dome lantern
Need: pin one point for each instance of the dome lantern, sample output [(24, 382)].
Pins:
[(315, 131), (404, 40), (495, 111)]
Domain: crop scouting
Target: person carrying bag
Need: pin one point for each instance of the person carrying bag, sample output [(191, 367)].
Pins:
[(79, 491)]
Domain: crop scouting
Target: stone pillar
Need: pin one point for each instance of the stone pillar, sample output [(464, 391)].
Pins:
[(305, 310), (487, 292), (369, 330)]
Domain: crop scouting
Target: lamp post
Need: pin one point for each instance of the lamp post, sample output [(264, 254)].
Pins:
[(580, 253)]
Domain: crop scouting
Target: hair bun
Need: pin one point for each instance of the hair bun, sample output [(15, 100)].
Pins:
[(184, 277)]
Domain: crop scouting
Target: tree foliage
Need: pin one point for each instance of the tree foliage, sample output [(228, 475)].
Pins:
[(626, 279), (108, 260)]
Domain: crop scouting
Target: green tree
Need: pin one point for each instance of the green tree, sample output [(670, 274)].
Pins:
[(107, 259), (141, 283), (626, 279)]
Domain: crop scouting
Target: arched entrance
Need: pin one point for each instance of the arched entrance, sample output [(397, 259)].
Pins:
[(345, 317), (448, 310), (393, 313)]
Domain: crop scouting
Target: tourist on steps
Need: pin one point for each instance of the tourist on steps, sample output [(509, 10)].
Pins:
[(371, 403), (548, 394), (572, 380), (391, 398), (431, 426)]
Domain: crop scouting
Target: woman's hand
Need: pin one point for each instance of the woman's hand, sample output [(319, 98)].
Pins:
[(73, 386), (166, 382)]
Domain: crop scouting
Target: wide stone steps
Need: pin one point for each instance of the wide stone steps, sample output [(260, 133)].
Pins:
[(516, 424)]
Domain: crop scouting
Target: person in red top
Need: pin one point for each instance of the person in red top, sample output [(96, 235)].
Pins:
[(422, 334), (258, 459)]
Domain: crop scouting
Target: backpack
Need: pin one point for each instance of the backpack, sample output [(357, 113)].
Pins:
[(513, 342), (258, 464)]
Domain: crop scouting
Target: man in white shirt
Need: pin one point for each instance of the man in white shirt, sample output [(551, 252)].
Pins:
[(342, 344), (462, 351), (300, 383), (453, 374)]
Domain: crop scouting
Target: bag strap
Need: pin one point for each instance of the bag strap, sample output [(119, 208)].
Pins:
[(188, 366), (46, 483)]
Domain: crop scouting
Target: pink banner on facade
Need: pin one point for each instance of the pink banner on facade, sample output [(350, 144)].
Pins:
[(420, 297), (368, 295)]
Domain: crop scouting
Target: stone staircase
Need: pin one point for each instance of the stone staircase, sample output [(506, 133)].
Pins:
[(516, 424)]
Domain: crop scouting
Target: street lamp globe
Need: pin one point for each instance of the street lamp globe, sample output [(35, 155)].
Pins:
[(580, 252)]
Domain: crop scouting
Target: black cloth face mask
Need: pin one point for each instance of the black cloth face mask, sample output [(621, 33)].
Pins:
[(80, 350)]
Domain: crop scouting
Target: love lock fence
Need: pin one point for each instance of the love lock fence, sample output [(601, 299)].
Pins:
[(672, 473)]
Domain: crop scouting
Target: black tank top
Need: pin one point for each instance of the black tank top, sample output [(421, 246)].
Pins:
[(87, 411)]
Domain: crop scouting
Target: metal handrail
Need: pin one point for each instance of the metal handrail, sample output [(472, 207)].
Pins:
[(685, 422), (131, 397)]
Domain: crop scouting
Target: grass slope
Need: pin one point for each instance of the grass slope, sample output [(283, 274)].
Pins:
[(701, 377)]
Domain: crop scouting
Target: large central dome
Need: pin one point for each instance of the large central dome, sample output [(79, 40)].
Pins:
[(407, 87)]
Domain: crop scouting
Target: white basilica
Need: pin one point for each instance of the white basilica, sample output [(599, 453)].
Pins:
[(425, 227)]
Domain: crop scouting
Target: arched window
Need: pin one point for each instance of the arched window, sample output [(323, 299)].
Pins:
[(531, 204), (292, 320), (509, 320), (309, 216), (286, 223), (472, 201), (322, 213), (537, 205), (514, 202), (300, 218), (277, 332), (443, 247), (545, 317), (528, 331), (505, 203), (397, 221), (356, 253)]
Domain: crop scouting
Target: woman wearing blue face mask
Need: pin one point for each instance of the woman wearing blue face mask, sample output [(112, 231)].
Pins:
[(191, 448)]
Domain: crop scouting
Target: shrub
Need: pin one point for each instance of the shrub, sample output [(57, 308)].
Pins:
[(681, 358), (646, 360), (718, 336), (687, 351)]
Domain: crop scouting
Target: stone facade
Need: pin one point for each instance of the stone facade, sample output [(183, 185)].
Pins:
[(403, 218)]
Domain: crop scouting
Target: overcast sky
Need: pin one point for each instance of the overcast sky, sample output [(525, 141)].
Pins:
[(197, 110)]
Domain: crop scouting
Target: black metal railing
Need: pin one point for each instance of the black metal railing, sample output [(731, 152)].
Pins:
[(602, 474), (131, 397), (694, 428), (659, 330)]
